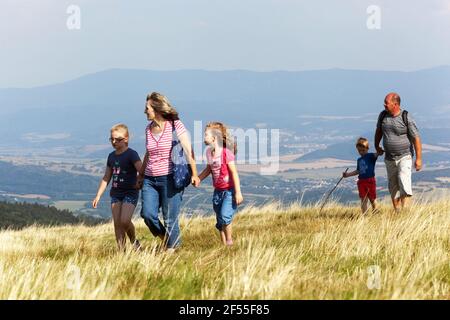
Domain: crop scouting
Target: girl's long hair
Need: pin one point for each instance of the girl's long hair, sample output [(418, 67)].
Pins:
[(221, 131), (161, 105)]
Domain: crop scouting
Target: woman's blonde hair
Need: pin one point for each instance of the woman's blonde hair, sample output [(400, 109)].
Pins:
[(161, 105), (362, 143), (220, 131)]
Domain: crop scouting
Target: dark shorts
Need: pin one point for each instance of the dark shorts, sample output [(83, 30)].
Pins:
[(367, 188), (125, 197)]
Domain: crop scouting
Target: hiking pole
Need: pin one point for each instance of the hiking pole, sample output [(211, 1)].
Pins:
[(329, 194)]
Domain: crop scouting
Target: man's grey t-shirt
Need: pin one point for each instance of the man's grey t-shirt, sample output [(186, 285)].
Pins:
[(395, 136)]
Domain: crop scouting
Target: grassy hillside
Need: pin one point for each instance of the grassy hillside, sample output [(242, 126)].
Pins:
[(279, 253)]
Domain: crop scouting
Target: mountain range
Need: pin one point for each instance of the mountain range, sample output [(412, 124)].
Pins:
[(81, 111)]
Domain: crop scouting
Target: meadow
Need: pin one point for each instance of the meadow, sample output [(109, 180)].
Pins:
[(279, 253)]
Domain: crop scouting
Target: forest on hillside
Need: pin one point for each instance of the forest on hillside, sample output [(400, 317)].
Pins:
[(20, 215)]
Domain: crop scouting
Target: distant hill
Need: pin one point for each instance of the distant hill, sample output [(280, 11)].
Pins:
[(36, 179), (317, 92), (86, 107), (20, 215), (347, 151), (343, 151), (433, 175)]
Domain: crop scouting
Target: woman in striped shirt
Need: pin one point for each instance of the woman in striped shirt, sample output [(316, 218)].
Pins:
[(158, 189)]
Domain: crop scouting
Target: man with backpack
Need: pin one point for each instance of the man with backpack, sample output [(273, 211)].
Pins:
[(400, 139)]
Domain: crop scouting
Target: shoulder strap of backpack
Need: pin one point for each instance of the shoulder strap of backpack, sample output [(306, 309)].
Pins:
[(381, 117), (405, 119), (174, 131), (174, 138)]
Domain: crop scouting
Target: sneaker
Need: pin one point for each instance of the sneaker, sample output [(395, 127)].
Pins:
[(170, 250)]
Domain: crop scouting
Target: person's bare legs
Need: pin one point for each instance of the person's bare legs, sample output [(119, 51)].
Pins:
[(223, 237), (364, 204), (393, 184), (396, 203), (405, 201), (120, 233), (125, 220), (374, 204), (227, 232)]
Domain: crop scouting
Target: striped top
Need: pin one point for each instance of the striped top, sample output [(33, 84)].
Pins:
[(396, 136), (158, 148)]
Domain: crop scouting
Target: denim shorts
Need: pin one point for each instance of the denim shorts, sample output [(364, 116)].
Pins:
[(224, 206), (128, 197)]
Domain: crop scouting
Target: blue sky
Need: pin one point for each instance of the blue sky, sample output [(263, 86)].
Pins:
[(37, 48)]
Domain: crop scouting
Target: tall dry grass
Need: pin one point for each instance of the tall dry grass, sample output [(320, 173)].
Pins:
[(279, 253)]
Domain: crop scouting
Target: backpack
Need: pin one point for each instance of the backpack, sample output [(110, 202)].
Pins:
[(383, 115), (181, 170)]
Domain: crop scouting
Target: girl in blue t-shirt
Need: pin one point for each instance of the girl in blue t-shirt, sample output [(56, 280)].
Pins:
[(122, 167)]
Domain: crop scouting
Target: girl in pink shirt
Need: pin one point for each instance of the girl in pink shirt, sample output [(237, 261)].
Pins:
[(227, 188)]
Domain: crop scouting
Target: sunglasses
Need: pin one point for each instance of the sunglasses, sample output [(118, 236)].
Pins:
[(116, 139)]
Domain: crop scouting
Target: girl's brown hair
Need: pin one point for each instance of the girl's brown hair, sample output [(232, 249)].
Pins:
[(161, 105), (221, 131)]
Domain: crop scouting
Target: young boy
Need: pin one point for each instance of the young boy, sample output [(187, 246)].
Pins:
[(365, 170)]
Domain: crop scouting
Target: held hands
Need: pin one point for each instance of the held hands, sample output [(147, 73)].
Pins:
[(344, 174), (139, 182), (380, 151), (195, 181), (239, 198)]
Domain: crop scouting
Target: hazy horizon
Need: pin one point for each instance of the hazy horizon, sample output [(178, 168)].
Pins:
[(44, 44), (224, 70)]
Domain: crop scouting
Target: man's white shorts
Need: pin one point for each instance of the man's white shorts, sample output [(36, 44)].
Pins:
[(399, 176)]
